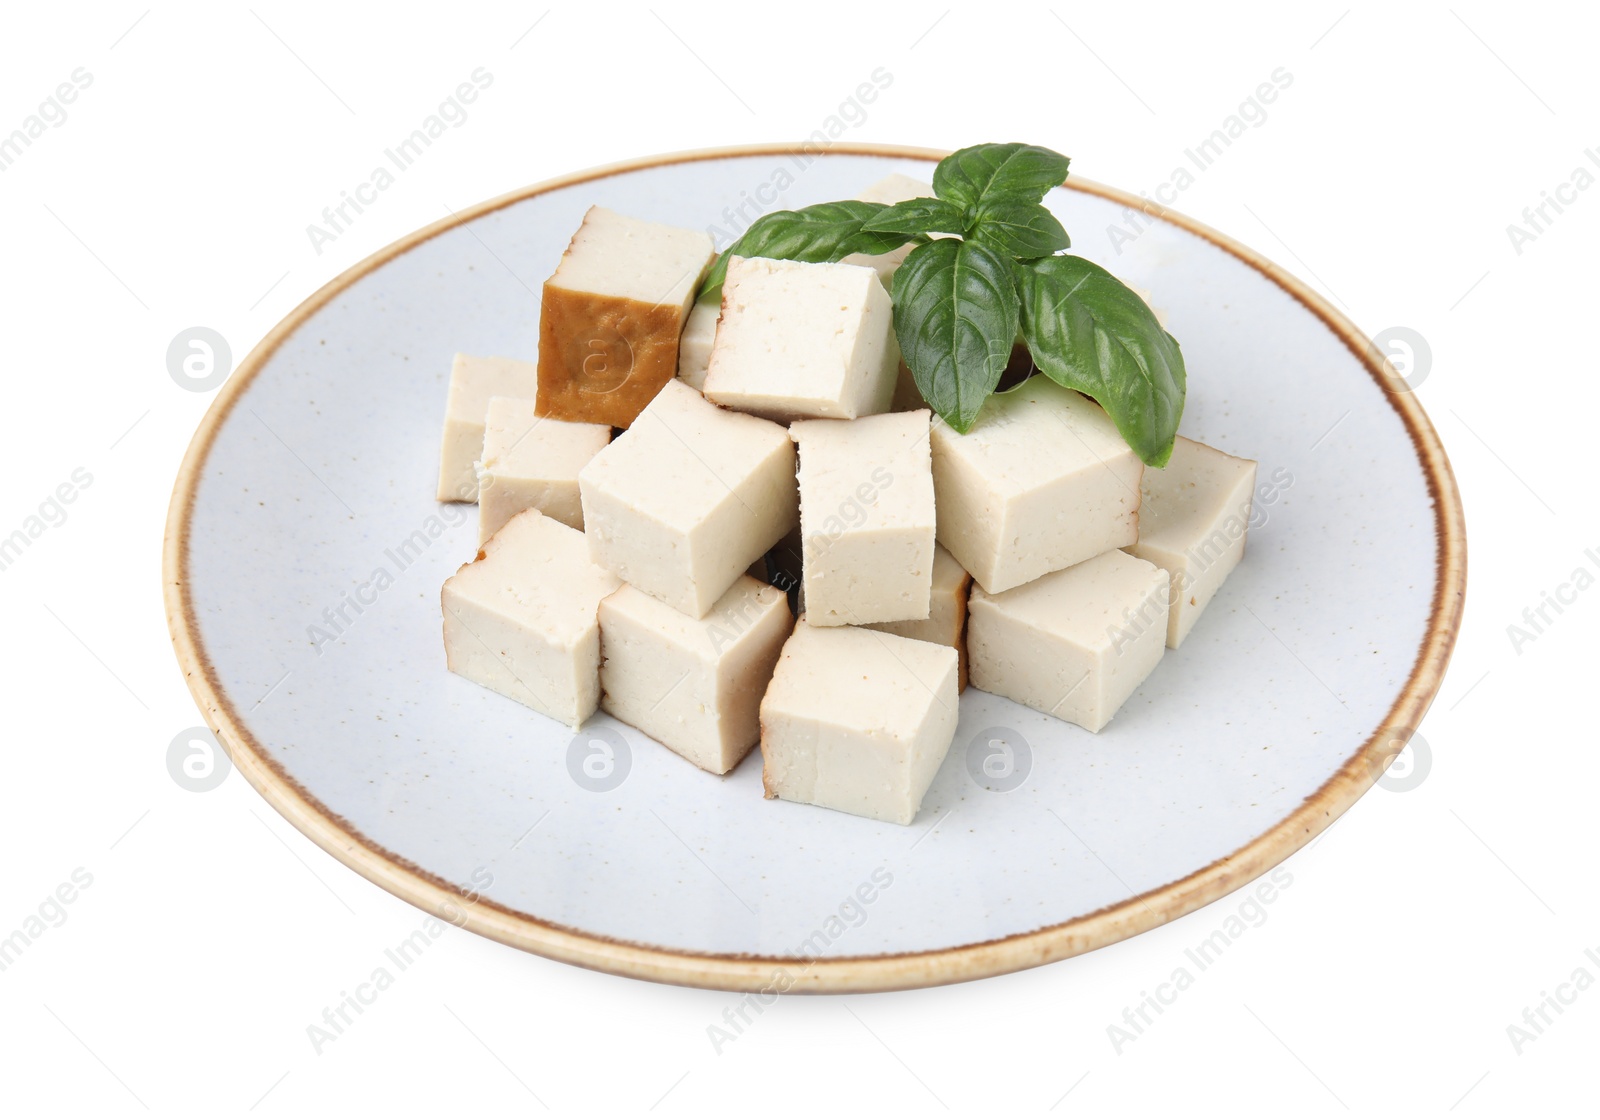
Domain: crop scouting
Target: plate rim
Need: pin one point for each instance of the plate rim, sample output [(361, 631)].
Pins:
[(886, 972)]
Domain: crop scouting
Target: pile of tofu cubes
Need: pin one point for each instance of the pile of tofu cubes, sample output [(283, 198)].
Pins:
[(671, 484)]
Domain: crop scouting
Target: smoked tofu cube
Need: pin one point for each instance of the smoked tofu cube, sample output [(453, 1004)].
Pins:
[(1042, 481), (532, 462), (946, 623), (1075, 643), (694, 348), (473, 382), (857, 721), (888, 191), (522, 619), (801, 340), (1193, 522), (683, 502), (611, 316), (866, 518), (694, 685)]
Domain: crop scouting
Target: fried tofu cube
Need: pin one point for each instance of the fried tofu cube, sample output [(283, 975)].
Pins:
[(857, 721), (611, 316), (800, 340), (946, 623), (532, 462), (682, 503), (1042, 481), (694, 347), (523, 618), (866, 518), (474, 382), (1075, 643), (694, 685), (1193, 522)]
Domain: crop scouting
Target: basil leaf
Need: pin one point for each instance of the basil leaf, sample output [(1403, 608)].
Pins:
[(828, 231), (956, 315), (1022, 172), (1088, 331), (1018, 229), (917, 216)]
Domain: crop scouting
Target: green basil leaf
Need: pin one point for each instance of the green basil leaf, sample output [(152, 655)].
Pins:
[(956, 316), (1023, 172), (828, 231), (917, 216), (1088, 331), (1018, 229)]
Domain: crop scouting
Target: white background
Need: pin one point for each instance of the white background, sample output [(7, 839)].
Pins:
[(177, 192)]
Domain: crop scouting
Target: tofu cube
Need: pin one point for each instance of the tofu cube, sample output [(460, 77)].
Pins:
[(532, 462), (866, 518), (522, 618), (907, 397), (694, 685), (611, 316), (1148, 297), (896, 188), (946, 624), (683, 502), (888, 191), (473, 382), (802, 340), (1042, 481), (857, 721), (1193, 522), (694, 348), (1074, 643)]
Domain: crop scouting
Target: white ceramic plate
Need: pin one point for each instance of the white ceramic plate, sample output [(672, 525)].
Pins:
[(316, 465)]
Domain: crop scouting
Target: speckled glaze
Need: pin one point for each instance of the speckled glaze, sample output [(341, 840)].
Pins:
[(315, 467)]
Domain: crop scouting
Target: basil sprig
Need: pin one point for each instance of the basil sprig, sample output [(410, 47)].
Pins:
[(986, 264)]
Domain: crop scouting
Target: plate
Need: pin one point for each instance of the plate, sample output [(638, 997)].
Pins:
[(304, 556)]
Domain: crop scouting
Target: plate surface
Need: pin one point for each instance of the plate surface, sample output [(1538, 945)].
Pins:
[(305, 552)]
